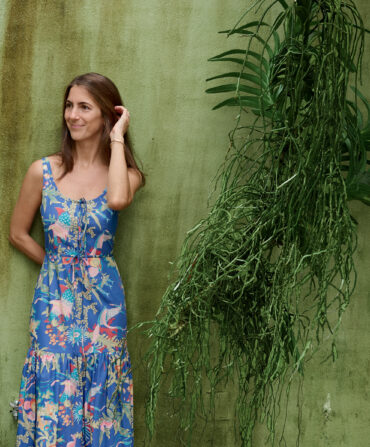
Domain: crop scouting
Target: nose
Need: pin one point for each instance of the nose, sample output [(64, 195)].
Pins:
[(73, 113)]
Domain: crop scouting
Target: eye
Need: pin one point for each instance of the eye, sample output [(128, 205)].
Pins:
[(85, 107), (68, 105)]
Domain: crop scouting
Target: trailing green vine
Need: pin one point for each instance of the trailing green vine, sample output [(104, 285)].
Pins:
[(270, 268)]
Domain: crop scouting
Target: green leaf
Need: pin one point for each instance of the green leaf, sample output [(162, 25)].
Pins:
[(230, 102), (347, 62), (365, 137), (246, 101), (261, 59), (266, 46), (359, 188), (228, 59), (255, 68), (237, 31), (283, 4), (234, 88), (244, 27), (356, 113), (278, 21), (227, 53), (255, 23), (365, 102), (271, 114), (234, 74), (277, 43)]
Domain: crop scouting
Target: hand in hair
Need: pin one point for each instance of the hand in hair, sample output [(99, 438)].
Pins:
[(121, 126)]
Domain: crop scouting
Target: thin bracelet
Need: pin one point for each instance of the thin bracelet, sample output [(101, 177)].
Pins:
[(118, 140)]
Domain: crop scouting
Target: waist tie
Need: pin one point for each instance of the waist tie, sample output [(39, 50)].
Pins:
[(82, 262)]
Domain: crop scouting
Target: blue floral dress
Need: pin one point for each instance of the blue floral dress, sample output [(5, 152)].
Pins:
[(76, 386)]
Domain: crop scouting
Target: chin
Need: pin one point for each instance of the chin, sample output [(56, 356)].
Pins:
[(75, 136)]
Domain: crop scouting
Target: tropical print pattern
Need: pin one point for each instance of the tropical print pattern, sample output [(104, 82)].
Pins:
[(76, 387)]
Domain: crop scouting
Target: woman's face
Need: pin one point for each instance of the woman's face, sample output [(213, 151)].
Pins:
[(83, 115)]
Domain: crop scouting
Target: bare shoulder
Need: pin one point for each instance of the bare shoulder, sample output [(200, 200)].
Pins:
[(55, 160), (33, 180), (34, 173)]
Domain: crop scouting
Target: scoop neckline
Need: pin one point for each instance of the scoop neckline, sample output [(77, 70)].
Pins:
[(69, 198)]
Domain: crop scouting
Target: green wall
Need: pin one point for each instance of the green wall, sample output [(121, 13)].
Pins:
[(156, 52)]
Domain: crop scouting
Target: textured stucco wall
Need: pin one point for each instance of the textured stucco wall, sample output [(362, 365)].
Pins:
[(156, 52)]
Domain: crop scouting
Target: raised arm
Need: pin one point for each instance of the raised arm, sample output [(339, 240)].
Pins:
[(123, 182), (29, 200)]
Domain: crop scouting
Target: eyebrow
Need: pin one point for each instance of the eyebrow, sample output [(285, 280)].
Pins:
[(81, 102)]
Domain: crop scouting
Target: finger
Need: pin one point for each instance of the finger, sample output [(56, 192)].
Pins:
[(125, 116), (119, 109)]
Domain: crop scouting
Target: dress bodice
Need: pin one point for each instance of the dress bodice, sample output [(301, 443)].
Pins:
[(76, 227)]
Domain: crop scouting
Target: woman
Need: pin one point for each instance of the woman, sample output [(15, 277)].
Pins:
[(76, 387)]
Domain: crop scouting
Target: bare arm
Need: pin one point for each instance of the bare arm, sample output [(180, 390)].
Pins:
[(123, 181), (29, 200)]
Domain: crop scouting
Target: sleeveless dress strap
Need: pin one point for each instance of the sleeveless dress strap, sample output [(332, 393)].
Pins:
[(46, 165), (46, 173)]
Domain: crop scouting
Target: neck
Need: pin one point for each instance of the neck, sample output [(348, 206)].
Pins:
[(86, 152)]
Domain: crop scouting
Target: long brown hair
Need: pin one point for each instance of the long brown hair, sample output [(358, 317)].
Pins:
[(106, 95)]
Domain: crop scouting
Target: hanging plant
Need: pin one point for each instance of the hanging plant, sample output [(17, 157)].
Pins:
[(270, 268)]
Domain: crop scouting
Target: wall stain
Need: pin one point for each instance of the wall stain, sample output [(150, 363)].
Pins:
[(15, 84)]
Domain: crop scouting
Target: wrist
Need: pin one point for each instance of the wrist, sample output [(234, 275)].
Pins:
[(117, 139)]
